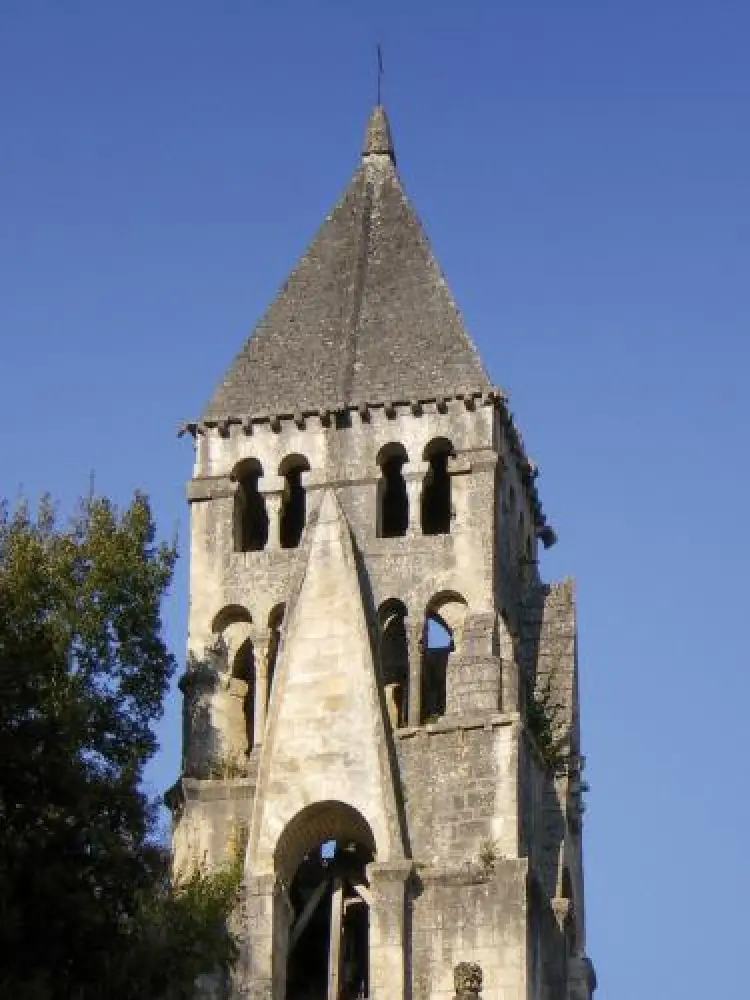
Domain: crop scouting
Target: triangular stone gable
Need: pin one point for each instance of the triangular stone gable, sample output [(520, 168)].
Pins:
[(325, 738)]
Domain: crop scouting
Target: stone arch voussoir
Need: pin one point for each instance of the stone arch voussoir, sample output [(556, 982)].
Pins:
[(313, 825)]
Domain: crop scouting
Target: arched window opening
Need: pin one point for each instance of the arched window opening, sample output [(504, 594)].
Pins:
[(436, 489), (243, 669), (230, 626), (437, 647), (232, 614), (327, 951), (250, 514), (393, 500), (394, 660), (293, 501), (443, 631), (275, 620), (329, 939)]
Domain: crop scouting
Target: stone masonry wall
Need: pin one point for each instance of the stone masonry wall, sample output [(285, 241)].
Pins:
[(475, 801), (460, 916), (460, 789)]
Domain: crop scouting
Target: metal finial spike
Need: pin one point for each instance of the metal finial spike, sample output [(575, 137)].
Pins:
[(380, 72)]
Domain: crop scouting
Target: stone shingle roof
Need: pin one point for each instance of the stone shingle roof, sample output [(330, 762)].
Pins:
[(365, 316)]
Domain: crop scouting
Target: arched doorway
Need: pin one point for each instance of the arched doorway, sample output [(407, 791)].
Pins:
[(322, 856)]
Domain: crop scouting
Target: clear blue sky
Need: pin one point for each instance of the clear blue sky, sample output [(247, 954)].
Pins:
[(583, 169)]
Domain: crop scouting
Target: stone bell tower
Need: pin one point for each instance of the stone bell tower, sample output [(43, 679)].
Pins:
[(381, 695)]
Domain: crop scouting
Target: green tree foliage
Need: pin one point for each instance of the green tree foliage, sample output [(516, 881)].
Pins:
[(87, 909)]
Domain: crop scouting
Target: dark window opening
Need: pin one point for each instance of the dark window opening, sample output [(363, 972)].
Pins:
[(250, 514), (329, 912), (293, 503), (244, 670), (274, 627), (394, 661), (232, 614), (438, 645), (393, 500), (436, 490)]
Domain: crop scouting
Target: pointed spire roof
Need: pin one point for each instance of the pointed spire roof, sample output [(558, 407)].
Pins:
[(365, 316), (378, 137)]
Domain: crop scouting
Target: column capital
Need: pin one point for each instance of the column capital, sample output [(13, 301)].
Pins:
[(391, 871), (415, 641), (260, 636)]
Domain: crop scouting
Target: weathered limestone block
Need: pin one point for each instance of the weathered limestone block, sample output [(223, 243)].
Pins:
[(472, 684)]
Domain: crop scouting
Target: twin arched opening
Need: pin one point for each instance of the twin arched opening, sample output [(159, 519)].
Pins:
[(414, 659), (435, 501), (251, 655), (252, 524)]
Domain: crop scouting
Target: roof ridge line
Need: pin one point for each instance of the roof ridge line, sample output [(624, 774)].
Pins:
[(359, 278)]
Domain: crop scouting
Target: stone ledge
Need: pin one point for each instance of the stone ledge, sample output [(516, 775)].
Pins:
[(469, 873), (212, 789), (453, 723), (395, 870), (209, 488)]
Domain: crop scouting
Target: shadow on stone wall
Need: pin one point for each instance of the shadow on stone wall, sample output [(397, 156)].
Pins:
[(201, 742), (372, 631)]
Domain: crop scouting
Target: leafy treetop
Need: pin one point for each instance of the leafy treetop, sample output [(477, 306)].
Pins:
[(87, 908)]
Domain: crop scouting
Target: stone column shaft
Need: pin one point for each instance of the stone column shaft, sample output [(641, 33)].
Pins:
[(415, 640), (273, 509), (262, 927), (388, 929), (414, 494), (260, 646)]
